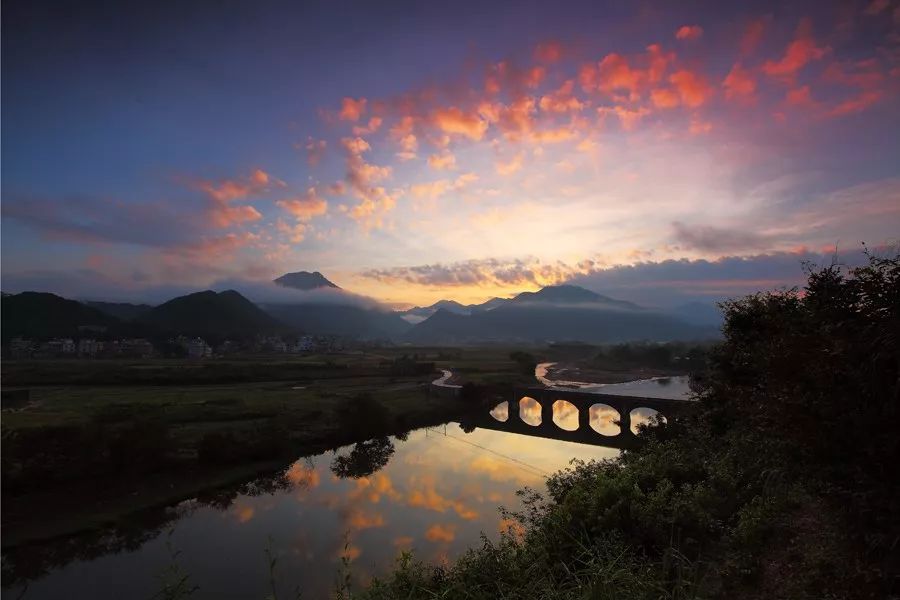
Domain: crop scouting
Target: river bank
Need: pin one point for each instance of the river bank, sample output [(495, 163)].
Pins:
[(209, 440)]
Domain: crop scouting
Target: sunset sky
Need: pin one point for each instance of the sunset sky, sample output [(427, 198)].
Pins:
[(418, 151)]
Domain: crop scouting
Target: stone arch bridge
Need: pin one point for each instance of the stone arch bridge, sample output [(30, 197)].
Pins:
[(583, 401)]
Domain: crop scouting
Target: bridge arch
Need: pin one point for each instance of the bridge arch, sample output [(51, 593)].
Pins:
[(565, 415), (501, 412), (530, 411), (605, 419), (643, 415)]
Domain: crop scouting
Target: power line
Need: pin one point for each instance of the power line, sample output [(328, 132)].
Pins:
[(537, 470)]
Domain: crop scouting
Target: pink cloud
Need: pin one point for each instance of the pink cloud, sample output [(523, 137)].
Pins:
[(800, 52), (304, 207), (856, 104), (443, 161), (562, 100), (692, 88), (689, 32), (454, 121), (753, 34), (352, 110), (739, 84), (664, 98), (548, 52), (510, 166)]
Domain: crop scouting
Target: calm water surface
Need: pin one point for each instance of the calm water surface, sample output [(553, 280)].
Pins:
[(438, 491), (434, 492)]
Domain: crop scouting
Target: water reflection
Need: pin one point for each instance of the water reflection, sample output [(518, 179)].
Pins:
[(433, 493), (604, 419), (530, 411), (365, 458)]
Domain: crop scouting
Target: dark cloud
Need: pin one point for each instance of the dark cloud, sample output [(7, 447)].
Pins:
[(671, 282), (707, 238), (92, 219)]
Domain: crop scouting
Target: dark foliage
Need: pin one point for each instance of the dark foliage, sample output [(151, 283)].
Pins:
[(365, 459)]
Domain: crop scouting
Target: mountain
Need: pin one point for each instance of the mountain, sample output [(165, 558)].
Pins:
[(123, 311), (208, 314), (44, 315), (340, 319), (552, 314), (304, 280), (420, 313), (571, 295)]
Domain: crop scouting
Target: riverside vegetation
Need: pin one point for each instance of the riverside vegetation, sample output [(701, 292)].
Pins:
[(782, 485)]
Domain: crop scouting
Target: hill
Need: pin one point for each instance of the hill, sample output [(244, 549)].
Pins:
[(212, 315), (304, 280), (556, 313), (44, 315), (123, 311), (340, 319)]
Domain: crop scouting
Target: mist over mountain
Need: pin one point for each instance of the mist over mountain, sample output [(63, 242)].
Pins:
[(556, 313), (420, 313)]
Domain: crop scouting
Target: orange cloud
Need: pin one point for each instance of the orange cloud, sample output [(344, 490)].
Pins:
[(617, 73), (454, 121), (372, 126), (689, 32), (664, 98), (303, 476), (349, 552), (692, 88), (548, 52), (295, 232), (511, 166), (440, 162), (562, 100), (628, 117), (426, 496), (233, 189), (801, 51), (244, 513), (404, 541), (441, 533), (352, 110), (304, 207), (358, 520), (739, 84)]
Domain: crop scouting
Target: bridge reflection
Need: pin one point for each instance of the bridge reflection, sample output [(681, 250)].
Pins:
[(585, 418)]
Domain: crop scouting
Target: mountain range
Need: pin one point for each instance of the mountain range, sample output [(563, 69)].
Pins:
[(554, 313)]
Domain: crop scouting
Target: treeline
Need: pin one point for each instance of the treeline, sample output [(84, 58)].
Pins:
[(669, 355), (781, 485)]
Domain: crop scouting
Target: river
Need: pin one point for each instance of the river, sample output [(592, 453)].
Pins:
[(347, 512)]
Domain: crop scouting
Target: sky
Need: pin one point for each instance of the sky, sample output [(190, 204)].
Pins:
[(419, 151)]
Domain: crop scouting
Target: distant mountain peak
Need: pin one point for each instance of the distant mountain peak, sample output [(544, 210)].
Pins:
[(304, 280)]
